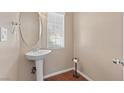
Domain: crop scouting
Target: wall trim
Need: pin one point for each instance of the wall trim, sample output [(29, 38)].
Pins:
[(56, 73), (85, 76)]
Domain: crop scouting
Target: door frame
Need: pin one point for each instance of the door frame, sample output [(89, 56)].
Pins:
[(123, 49)]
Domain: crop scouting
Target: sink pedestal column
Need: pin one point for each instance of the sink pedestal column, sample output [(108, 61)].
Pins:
[(39, 70), (38, 56)]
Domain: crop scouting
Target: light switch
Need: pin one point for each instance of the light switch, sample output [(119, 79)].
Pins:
[(3, 34)]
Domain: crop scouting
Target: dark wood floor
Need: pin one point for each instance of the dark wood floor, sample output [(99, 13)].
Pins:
[(68, 76)]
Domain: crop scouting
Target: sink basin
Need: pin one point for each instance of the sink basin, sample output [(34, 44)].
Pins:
[(38, 55)]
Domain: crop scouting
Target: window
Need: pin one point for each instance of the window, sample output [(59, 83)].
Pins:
[(55, 30)]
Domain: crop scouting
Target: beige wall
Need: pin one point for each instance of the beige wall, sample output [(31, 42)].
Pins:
[(13, 64), (97, 40), (59, 59), (29, 29), (9, 50)]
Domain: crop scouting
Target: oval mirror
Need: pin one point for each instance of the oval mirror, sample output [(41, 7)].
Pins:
[(30, 27)]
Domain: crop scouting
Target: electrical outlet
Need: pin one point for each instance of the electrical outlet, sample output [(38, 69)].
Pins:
[(3, 34)]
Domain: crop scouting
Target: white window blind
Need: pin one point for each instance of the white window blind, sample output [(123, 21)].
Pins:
[(55, 30)]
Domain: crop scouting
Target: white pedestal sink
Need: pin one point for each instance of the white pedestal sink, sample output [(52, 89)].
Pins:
[(38, 56)]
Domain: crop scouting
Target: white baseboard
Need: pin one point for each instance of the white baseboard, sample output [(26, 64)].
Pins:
[(59, 72), (85, 76), (66, 70)]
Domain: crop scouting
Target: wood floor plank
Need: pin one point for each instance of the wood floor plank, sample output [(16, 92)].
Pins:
[(68, 76)]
